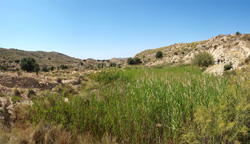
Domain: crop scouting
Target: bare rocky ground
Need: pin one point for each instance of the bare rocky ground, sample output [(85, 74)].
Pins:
[(18, 88)]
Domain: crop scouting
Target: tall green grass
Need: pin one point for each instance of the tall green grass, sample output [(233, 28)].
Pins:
[(170, 105)]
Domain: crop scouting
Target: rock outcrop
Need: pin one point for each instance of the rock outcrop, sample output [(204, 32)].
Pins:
[(232, 48)]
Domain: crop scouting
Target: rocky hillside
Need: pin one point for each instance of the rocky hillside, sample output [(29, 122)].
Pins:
[(232, 48), (9, 56)]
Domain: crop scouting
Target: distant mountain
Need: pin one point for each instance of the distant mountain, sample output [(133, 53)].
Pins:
[(43, 58)]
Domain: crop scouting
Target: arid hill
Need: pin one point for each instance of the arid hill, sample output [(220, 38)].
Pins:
[(9, 56), (232, 48)]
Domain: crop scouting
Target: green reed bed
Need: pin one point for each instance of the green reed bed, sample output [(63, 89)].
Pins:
[(152, 106)]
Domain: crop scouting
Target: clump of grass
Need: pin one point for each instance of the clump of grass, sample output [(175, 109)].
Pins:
[(228, 66), (31, 94)]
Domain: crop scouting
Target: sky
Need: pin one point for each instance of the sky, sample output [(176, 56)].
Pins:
[(104, 29)]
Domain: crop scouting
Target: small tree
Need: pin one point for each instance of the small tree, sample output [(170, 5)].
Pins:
[(63, 67), (17, 61), (112, 65), (28, 64), (130, 61), (81, 63), (238, 33), (137, 60), (159, 54), (203, 59)]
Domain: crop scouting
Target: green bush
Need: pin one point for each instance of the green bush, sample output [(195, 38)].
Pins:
[(112, 65), (101, 65), (90, 67), (119, 65), (159, 54), (45, 69), (37, 68), (3, 68), (29, 65), (133, 61), (137, 60), (203, 59), (228, 66), (51, 68), (17, 61), (238, 33), (130, 61), (63, 67)]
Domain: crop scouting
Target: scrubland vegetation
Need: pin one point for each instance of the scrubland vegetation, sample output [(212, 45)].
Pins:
[(132, 103), (145, 105)]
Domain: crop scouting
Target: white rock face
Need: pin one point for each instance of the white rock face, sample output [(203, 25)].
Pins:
[(232, 48)]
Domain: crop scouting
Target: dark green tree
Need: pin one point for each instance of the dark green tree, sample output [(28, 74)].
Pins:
[(137, 60), (130, 61), (52, 68), (17, 61), (159, 54), (63, 67), (238, 33), (28, 64)]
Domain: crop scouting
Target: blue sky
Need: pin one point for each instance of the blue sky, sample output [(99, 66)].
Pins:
[(104, 29)]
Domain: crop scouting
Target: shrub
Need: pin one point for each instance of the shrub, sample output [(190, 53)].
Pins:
[(90, 67), (59, 80), (247, 60), (238, 33), (29, 65), (17, 61), (3, 68), (16, 92), (112, 65), (101, 65), (130, 61), (45, 69), (31, 94), (137, 60), (203, 59), (228, 66), (51, 68), (63, 67), (159, 54), (37, 68)]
